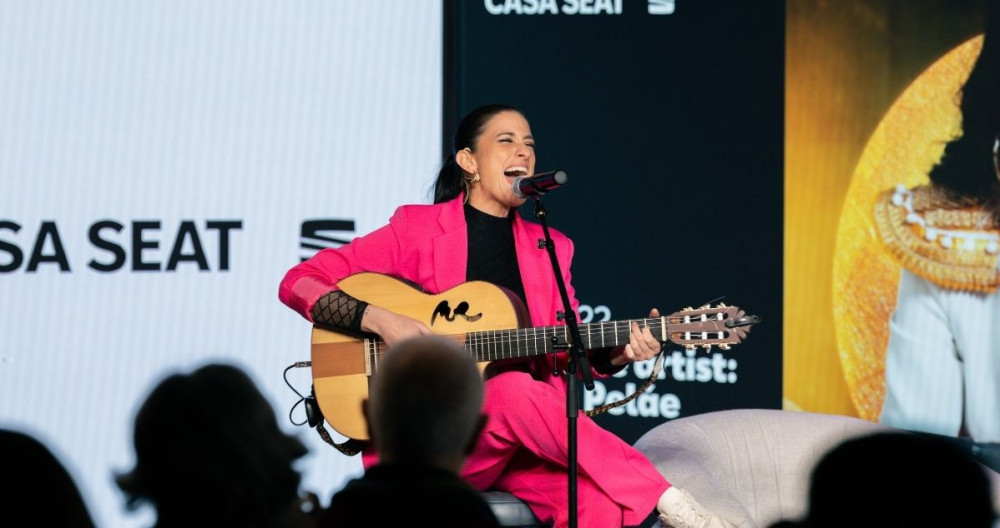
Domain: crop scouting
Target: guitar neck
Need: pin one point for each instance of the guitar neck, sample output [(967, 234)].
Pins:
[(691, 328), (491, 345)]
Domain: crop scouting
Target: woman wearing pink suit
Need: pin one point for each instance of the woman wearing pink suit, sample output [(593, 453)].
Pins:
[(473, 232)]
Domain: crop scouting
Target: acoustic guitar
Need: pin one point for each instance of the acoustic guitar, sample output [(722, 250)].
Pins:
[(491, 322)]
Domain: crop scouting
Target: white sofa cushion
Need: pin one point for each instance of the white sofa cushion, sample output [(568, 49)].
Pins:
[(751, 466)]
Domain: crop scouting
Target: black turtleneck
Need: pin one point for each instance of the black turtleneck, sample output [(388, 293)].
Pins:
[(492, 257)]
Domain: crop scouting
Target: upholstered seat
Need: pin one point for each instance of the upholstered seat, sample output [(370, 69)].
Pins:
[(752, 466), (511, 511)]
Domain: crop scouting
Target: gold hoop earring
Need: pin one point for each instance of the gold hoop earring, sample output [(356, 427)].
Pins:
[(467, 186), (467, 182)]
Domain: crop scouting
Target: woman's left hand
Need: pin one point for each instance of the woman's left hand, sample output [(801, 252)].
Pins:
[(641, 345)]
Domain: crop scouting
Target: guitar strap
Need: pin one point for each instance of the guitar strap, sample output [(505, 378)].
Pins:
[(349, 447), (656, 372), (314, 417)]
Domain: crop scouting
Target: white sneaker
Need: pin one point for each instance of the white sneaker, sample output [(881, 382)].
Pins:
[(678, 509)]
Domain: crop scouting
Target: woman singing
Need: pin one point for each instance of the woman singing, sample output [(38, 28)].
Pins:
[(473, 232)]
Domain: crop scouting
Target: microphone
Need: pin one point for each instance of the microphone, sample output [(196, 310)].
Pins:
[(539, 184)]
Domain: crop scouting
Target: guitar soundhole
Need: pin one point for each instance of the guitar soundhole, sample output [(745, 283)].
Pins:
[(445, 311)]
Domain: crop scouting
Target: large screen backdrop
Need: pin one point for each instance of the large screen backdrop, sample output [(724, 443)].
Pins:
[(871, 100), (163, 163), (159, 162), (667, 118)]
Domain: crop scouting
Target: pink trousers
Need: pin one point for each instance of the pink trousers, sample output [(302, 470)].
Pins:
[(524, 450)]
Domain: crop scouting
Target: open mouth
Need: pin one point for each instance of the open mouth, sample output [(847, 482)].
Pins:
[(515, 171)]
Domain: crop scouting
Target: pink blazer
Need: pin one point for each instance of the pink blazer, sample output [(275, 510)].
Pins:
[(427, 244)]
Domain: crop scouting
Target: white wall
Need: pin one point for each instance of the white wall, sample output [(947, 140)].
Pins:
[(260, 112)]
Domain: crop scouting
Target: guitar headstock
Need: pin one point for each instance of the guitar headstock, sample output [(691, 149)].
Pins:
[(708, 326)]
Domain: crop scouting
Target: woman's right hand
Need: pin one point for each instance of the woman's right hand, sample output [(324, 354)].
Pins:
[(391, 326)]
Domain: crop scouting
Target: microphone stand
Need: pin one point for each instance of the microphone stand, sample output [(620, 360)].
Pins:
[(578, 361)]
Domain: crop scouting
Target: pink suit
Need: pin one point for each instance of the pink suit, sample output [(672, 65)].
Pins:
[(524, 448)]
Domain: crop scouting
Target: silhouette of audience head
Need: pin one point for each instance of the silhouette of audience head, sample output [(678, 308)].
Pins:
[(209, 452), (898, 479), (36, 486), (425, 403), (424, 413)]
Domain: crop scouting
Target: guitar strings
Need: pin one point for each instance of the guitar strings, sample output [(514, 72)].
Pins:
[(519, 342), (533, 338)]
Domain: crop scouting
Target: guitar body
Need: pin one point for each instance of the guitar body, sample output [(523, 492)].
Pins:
[(342, 364)]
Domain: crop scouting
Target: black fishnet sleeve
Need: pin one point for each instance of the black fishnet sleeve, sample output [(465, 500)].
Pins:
[(339, 311)]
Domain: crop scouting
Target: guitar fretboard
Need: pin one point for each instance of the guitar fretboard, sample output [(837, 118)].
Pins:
[(492, 345)]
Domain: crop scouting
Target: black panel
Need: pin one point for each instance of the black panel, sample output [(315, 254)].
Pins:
[(670, 128)]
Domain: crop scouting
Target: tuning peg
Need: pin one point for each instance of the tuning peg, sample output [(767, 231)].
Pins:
[(691, 347), (723, 305), (707, 347), (688, 309), (704, 307), (724, 346)]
